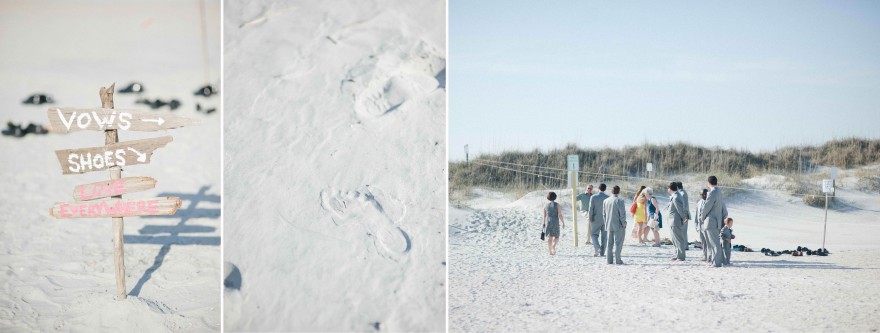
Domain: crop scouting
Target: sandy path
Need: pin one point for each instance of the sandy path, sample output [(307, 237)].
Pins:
[(502, 279)]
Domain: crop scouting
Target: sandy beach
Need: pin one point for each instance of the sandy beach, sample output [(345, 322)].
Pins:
[(502, 278), (335, 166)]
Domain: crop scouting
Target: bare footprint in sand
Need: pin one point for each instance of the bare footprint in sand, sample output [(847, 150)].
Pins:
[(378, 213), (382, 83)]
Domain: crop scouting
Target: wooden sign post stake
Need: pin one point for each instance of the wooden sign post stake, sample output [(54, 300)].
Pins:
[(110, 137)]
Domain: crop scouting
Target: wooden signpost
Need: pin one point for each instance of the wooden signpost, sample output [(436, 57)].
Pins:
[(112, 156)]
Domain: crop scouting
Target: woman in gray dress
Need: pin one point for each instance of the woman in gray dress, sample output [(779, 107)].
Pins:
[(552, 218)]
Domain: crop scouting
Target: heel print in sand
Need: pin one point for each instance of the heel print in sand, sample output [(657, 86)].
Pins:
[(377, 213)]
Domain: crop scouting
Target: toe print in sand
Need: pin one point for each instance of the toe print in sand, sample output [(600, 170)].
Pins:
[(384, 82), (370, 208)]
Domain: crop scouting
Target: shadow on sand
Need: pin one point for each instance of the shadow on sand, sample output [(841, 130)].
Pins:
[(166, 235)]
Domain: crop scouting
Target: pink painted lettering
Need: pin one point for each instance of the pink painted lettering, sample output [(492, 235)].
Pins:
[(116, 187), (129, 207), (152, 207), (62, 210)]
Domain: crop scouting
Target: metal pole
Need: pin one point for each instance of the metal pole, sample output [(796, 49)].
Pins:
[(573, 177)]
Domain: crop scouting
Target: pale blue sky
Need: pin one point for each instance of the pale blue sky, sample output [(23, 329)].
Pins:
[(754, 75)]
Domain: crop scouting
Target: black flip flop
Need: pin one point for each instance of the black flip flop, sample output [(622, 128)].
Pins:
[(37, 99), (132, 88), (205, 91)]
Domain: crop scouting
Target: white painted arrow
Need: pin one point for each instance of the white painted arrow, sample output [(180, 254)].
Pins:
[(159, 121), (141, 157)]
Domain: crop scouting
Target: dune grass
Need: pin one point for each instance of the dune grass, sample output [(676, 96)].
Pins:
[(684, 162)]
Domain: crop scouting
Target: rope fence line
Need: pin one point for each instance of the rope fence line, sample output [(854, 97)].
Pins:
[(535, 174), (582, 172), (643, 178)]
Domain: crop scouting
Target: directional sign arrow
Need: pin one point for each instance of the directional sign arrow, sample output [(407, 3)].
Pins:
[(158, 121), (141, 157), (126, 153), (66, 120)]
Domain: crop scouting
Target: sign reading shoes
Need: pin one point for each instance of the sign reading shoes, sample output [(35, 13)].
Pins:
[(112, 156), (82, 160)]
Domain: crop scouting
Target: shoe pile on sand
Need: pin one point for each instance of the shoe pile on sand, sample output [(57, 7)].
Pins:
[(799, 252), (17, 130)]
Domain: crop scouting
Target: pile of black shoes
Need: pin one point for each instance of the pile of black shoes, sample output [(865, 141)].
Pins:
[(822, 252), (132, 88), (205, 91), (741, 248), (173, 104), (37, 99), (199, 108), (18, 131), (800, 251)]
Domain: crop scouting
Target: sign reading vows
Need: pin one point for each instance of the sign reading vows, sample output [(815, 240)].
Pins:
[(66, 120)]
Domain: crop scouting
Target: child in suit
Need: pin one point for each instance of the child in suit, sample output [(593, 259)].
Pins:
[(726, 237)]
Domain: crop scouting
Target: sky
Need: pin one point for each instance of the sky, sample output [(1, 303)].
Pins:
[(753, 75)]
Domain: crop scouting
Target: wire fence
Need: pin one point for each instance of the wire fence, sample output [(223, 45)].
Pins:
[(564, 172)]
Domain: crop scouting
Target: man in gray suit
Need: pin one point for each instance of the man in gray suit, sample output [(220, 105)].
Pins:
[(596, 216), (687, 208), (698, 225), (684, 200), (615, 223), (712, 215), (707, 247), (677, 215)]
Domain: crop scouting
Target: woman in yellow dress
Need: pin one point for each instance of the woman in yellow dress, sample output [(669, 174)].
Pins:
[(640, 215)]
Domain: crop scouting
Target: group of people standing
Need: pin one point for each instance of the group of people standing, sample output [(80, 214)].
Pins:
[(607, 221)]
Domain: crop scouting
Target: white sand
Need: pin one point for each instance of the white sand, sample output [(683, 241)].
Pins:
[(501, 277), (335, 165), (58, 274)]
